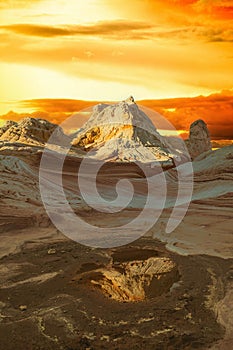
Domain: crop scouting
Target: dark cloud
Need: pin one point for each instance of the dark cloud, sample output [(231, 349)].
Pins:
[(123, 30), (54, 105), (216, 110), (36, 30), (107, 28), (219, 35), (199, 32)]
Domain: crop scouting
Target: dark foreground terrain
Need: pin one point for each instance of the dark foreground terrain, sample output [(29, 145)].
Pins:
[(57, 294), (51, 298)]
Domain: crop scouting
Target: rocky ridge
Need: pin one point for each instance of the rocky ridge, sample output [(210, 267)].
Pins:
[(30, 131)]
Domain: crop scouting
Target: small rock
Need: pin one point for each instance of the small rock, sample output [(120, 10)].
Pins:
[(186, 296), (188, 316), (178, 308), (23, 307), (105, 338), (52, 251)]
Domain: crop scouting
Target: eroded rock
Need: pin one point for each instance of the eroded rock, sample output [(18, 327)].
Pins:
[(135, 280), (122, 132), (31, 131), (199, 139)]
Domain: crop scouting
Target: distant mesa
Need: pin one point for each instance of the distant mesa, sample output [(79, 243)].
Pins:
[(199, 139)]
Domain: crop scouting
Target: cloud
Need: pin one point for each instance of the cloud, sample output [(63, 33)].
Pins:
[(164, 68), (216, 110), (56, 105), (218, 9), (124, 30), (106, 28), (201, 33), (54, 110), (161, 48), (218, 35), (36, 30)]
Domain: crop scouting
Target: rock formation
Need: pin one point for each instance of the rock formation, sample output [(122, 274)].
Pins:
[(122, 132), (30, 131), (216, 165), (134, 280), (6, 126), (199, 139)]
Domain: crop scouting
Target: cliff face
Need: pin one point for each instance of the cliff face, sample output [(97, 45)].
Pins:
[(199, 139)]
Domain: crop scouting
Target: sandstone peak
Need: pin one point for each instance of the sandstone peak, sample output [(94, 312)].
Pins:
[(122, 132)]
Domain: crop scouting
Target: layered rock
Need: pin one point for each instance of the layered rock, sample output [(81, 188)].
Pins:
[(6, 126), (20, 204), (134, 280), (215, 165), (199, 139), (30, 131), (122, 132)]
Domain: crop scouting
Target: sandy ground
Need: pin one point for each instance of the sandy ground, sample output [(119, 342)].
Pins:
[(48, 300), (206, 229)]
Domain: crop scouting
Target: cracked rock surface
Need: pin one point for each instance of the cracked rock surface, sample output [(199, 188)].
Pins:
[(61, 311)]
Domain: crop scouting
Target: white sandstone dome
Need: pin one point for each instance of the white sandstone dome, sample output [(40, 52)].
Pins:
[(122, 132)]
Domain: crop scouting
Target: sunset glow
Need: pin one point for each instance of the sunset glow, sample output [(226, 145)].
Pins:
[(107, 50)]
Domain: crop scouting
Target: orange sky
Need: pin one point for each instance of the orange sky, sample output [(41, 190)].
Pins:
[(108, 50)]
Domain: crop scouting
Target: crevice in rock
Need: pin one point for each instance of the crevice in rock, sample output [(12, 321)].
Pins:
[(138, 279)]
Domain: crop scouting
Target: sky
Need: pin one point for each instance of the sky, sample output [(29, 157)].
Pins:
[(178, 52)]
